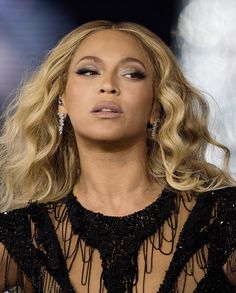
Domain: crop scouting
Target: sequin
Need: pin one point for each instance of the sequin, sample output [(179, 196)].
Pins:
[(30, 238)]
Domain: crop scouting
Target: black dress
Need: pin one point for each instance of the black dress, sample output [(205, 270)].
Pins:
[(179, 243)]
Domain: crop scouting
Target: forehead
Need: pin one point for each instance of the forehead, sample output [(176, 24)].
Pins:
[(110, 43)]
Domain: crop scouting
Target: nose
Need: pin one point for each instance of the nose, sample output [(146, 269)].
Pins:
[(109, 86)]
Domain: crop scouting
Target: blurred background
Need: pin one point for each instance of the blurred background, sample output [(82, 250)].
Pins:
[(201, 33)]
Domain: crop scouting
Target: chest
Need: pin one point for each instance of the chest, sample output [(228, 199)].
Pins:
[(109, 257), (90, 271)]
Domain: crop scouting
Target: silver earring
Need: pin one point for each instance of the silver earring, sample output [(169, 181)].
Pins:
[(62, 117), (154, 129)]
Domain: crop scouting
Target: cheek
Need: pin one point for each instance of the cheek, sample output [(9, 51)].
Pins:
[(75, 96), (142, 101)]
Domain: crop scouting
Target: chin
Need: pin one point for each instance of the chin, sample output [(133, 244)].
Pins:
[(99, 137)]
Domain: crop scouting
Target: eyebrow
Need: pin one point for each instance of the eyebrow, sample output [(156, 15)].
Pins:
[(122, 61)]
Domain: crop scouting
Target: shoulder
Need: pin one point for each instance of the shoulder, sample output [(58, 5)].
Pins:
[(223, 191), (226, 198), (225, 194), (31, 206), (229, 191), (221, 204), (227, 204), (224, 226), (18, 218), (13, 222)]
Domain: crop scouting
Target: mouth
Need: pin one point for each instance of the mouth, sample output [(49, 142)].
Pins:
[(107, 114), (106, 110), (107, 107)]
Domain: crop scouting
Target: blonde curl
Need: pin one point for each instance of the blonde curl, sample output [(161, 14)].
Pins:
[(37, 164)]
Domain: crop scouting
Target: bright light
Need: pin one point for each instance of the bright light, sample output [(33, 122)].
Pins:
[(206, 33)]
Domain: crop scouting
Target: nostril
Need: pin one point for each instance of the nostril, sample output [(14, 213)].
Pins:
[(113, 91)]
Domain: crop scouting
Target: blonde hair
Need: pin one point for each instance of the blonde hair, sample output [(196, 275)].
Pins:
[(37, 164)]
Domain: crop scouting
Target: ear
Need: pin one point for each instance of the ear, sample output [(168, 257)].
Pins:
[(153, 118), (154, 115), (62, 105)]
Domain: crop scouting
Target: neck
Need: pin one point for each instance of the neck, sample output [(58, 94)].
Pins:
[(115, 178)]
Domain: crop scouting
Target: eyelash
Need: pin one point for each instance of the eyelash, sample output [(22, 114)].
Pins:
[(137, 74)]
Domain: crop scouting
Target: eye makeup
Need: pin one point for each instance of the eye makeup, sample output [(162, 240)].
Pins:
[(87, 71)]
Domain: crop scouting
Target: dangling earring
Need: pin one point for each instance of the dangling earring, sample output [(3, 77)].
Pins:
[(62, 117), (154, 129), (61, 122)]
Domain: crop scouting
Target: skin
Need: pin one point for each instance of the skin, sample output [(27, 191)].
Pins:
[(112, 152)]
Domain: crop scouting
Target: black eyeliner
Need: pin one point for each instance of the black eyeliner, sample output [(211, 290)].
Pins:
[(137, 74), (83, 70)]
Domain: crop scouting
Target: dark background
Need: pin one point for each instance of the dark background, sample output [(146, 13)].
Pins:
[(30, 28), (159, 16)]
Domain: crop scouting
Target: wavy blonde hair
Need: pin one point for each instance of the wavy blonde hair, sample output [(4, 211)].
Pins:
[(37, 164)]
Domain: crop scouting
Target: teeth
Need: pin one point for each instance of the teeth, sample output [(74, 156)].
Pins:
[(106, 110)]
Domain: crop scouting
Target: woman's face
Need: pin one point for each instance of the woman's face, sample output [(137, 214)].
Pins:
[(109, 66)]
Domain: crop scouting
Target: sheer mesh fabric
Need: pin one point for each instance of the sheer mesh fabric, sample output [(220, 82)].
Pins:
[(179, 243)]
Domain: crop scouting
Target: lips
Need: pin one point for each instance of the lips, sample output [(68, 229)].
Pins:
[(107, 105)]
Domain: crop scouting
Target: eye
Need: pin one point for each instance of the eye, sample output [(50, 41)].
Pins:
[(86, 71), (136, 75)]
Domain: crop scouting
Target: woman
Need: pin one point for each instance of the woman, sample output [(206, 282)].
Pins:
[(105, 186)]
